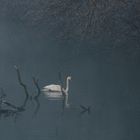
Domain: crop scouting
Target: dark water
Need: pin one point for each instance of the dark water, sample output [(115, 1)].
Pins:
[(107, 82)]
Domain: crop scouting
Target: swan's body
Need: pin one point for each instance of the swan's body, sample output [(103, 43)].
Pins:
[(52, 88)]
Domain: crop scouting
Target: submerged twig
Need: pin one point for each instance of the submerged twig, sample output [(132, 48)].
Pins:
[(35, 81), (21, 83), (85, 109), (36, 98), (12, 111), (4, 101), (38, 106)]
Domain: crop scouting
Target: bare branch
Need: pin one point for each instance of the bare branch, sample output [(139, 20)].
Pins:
[(36, 98), (20, 82), (35, 81)]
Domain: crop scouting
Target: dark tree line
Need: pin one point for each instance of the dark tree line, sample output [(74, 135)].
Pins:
[(77, 18), (82, 20)]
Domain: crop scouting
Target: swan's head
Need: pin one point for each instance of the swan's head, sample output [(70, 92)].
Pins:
[(69, 77)]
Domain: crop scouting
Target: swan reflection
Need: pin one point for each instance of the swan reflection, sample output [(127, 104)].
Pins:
[(57, 92), (57, 96), (53, 95)]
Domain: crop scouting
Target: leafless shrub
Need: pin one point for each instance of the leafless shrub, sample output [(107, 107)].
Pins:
[(74, 19)]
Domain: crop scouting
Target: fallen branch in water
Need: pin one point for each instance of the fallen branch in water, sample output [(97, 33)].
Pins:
[(9, 109)]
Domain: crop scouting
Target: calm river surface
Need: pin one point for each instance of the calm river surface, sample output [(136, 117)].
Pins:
[(108, 83)]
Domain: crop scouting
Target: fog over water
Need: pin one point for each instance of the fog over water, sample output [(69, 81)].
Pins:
[(103, 78)]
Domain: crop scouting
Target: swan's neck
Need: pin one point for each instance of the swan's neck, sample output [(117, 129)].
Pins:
[(67, 85)]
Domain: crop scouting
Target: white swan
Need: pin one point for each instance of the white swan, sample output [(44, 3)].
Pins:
[(58, 88), (57, 92)]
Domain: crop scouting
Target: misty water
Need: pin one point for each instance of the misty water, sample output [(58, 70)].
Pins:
[(107, 82)]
